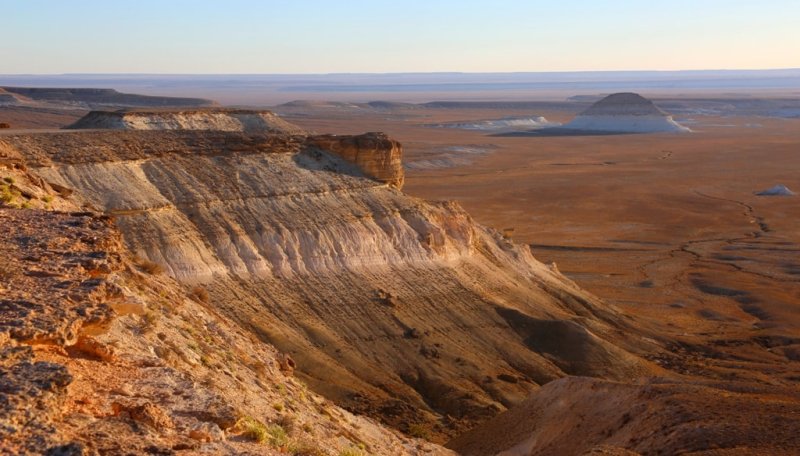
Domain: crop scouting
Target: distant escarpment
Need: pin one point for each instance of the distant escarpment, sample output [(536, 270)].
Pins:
[(96, 98), (392, 306), (212, 119)]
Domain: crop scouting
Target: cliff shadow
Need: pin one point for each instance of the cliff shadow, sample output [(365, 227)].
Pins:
[(317, 160)]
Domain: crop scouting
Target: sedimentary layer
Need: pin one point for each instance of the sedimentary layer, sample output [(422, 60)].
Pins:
[(390, 305), (625, 113)]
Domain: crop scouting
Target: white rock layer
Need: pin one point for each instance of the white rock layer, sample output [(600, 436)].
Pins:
[(625, 113)]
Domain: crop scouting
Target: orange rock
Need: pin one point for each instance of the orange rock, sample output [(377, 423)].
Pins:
[(287, 364), (377, 155)]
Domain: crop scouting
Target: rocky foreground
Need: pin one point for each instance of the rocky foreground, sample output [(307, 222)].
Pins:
[(102, 354)]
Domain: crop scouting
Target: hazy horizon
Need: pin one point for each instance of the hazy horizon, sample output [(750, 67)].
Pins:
[(269, 89)]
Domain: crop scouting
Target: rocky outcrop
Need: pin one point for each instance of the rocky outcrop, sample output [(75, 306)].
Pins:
[(31, 397), (392, 306), (100, 353), (35, 306), (375, 154), (216, 119), (625, 113)]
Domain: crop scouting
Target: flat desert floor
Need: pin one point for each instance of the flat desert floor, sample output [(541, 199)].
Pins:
[(664, 226)]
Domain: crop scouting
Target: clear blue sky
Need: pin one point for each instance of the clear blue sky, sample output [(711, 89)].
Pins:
[(315, 36)]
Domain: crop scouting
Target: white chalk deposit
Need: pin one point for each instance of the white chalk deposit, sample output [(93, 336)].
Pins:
[(625, 113)]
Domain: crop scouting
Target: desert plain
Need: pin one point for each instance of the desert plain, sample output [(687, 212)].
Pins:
[(666, 226)]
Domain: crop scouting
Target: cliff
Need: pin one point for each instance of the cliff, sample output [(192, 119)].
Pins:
[(63, 96), (374, 153), (391, 306)]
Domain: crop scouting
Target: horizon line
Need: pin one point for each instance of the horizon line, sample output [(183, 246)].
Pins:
[(345, 73)]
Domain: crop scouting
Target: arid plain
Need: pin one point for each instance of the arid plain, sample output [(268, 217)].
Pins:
[(666, 226)]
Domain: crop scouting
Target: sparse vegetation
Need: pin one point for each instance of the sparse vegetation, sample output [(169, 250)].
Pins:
[(419, 431), (8, 179), (287, 422), (305, 449), (8, 195), (150, 267), (276, 436), (199, 294), (352, 451), (149, 321), (253, 429)]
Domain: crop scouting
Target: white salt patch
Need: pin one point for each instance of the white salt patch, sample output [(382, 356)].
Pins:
[(778, 190)]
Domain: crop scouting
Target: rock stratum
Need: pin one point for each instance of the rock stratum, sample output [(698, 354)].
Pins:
[(625, 113), (216, 119), (391, 306)]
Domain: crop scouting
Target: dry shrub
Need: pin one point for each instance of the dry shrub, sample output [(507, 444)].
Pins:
[(150, 267), (199, 294)]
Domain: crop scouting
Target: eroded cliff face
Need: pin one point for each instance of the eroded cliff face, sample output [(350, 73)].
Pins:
[(393, 306), (375, 153), (102, 354)]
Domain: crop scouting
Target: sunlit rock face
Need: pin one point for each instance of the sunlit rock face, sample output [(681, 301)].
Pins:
[(374, 153), (390, 305), (625, 113)]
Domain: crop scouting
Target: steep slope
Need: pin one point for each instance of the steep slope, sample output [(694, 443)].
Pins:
[(625, 113), (657, 417), (390, 305), (98, 356), (11, 99)]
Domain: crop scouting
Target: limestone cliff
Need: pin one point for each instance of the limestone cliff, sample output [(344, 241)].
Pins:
[(374, 153), (392, 306)]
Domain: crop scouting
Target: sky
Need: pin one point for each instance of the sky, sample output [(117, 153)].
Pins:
[(378, 36)]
